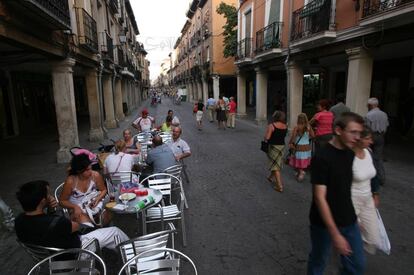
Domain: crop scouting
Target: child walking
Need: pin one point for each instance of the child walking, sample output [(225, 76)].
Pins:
[(301, 145)]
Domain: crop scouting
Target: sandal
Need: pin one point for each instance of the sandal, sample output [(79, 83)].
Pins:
[(278, 188), (269, 179)]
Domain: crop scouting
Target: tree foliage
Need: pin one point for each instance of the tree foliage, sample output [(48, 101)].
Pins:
[(230, 28)]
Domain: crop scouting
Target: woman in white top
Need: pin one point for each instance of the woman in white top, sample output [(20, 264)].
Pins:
[(363, 171), (119, 161)]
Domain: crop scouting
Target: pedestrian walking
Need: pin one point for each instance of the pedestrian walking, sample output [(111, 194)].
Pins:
[(221, 113), (300, 144), (211, 108), (199, 114), (231, 122), (323, 121), (363, 171), (275, 137), (332, 215), (340, 106), (377, 121)]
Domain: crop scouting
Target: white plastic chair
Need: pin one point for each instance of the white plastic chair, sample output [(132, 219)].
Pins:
[(83, 263), (164, 266)]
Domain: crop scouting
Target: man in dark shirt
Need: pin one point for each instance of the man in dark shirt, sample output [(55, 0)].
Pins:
[(332, 215), (36, 227)]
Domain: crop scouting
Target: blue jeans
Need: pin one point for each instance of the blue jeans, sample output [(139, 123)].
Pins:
[(321, 245)]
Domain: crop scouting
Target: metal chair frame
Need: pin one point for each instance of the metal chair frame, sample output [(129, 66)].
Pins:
[(170, 212), (176, 171), (73, 267), (38, 252), (133, 247), (164, 266)]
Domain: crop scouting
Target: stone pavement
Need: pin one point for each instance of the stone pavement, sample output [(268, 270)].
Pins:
[(236, 223)]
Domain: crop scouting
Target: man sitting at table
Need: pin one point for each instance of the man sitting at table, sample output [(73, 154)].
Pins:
[(161, 156), (50, 230)]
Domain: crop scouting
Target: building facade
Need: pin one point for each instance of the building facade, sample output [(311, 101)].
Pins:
[(64, 61), (197, 62), (292, 53)]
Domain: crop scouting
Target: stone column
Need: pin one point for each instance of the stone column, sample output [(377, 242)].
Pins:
[(216, 86), (64, 97), (241, 93), (110, 121), (294, 94), (94, 101), (205, 90), (193, 91), (261, 96), (359, 80), (125, 95), (119, 113)]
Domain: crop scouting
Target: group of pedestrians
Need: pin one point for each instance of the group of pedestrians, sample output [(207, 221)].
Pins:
[(223, 110), (346, 172)]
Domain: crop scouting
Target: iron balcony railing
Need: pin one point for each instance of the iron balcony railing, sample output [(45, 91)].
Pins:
[(88, 37), (244, 48), (113, 5), (311, 19), (107, 47), (58, 9), (372, 7), (269, 37)]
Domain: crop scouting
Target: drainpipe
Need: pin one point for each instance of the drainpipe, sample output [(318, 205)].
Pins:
[(101, 98), (113, 93), (287, 63)]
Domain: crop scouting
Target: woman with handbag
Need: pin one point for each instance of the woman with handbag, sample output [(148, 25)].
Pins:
[(80, 184), (275, 137), (363, 199), (300, 146)]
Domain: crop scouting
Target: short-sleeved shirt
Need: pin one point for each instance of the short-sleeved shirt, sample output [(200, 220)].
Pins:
[(377, 120), (161, 157), (179, 147), (339, 109), (232, 107), (211, 102), (175, 121), (144, 123), (114, 161), (324, 122), (166, 128), (37, 230), (332, 167), (200, 106)]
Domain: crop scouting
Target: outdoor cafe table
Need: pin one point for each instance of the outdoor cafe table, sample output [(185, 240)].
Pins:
[(131, 209)]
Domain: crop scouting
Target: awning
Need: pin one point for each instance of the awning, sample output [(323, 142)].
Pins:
[(312, 8)]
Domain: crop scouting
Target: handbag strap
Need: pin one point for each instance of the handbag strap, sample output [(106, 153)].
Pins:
[(119, 163)]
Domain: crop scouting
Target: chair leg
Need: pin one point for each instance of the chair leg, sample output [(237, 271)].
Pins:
[(144, 223), (183, 230), (187, 179), (185, 198)]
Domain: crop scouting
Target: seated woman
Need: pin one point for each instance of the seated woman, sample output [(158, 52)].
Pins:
[(80, 183), (119, 161), (166, 126), (132, 144)]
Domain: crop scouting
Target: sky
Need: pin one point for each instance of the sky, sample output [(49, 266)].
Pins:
[(159, 24)]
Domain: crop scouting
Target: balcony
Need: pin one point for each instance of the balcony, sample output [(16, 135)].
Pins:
[(53, 14), (395, 12), (120, 57), (88, 37), (113, 6), (244, 49), (269, 38), (107, 46), (314, 22)]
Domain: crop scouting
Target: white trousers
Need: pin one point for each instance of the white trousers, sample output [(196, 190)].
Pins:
[(367, 220), (105, 236)]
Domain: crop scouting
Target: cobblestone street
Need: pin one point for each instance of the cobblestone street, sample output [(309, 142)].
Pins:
[(236, 223)]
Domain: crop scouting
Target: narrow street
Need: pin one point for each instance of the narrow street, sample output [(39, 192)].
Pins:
[(236, 223)]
